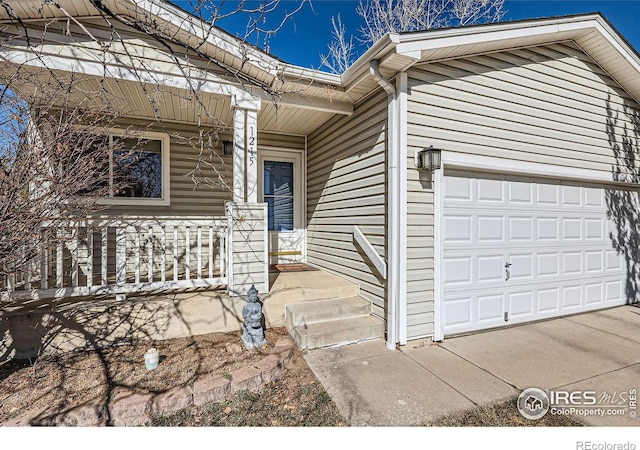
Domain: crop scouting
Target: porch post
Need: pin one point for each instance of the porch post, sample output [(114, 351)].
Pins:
[(245, 150), (247, 261), (238, 156), (252, 156)]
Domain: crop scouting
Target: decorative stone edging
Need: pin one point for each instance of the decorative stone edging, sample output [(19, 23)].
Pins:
[(138, 409)]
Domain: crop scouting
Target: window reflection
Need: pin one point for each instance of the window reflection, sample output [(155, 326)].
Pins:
[(138, 172), (278, 194)]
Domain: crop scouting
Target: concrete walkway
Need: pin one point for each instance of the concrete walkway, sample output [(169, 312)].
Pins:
[(373, 386)]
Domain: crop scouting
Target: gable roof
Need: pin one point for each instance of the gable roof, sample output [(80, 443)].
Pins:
[(593, 33)]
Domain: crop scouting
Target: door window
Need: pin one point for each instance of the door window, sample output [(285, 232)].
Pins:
[(278, 194)]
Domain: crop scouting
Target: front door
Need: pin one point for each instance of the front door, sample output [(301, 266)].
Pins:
[(281, 189)]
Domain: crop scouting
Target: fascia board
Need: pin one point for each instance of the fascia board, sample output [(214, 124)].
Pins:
[(618, 44), (125, 73), (186, 22), (220, 39), (360, 69), (410, 44)]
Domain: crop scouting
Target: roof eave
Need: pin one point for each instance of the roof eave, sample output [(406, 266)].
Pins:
[(426, 46)]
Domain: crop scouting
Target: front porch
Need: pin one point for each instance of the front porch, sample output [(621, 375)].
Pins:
[(36, 326)]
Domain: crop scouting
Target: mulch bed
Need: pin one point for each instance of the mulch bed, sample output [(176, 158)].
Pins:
[(59, 382)]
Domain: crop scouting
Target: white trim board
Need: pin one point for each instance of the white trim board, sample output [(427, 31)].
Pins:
[(489, 164), (165, 200), (485, 164), (438, 200)]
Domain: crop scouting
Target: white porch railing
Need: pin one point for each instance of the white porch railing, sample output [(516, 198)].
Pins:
[(121, 256)]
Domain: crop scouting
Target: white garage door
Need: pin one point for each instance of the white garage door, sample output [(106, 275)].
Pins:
[(517, 250)]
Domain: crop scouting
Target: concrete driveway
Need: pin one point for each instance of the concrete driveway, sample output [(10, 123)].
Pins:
[(598, 351)]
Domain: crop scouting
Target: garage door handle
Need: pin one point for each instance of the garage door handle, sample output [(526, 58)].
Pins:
[(508, 272)]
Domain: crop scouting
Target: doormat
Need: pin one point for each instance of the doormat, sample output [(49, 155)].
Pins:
[(291, 268)]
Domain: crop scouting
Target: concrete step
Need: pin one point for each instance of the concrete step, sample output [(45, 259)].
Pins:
[(303, 313), (337, 332), (304, 286)]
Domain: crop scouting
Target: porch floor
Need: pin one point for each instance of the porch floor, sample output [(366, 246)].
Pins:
[(202, 311), (307, 285)]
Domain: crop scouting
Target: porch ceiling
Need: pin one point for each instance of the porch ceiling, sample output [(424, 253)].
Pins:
[(140, 101), (176, 105), (65, 47), (34, 9)]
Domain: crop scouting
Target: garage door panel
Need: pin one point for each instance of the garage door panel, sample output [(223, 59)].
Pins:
[(457, 189), (593, 261), (490, 228), (457, 229), (594, 293), (548, 300), (458, 312), (613, 291), (556, 237), (458, 271), (521, 267), (594, 198), (520, 228), (571, 297), (490, 309), (548, 264), (548, 194), (490, 191), (520, 305), (571, 228), (613, 261), (547, 228), (571, 196), (571, 263), (490, 268), (520, 193), (594, 229)]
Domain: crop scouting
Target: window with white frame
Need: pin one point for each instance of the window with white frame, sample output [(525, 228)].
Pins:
[(139, 169)]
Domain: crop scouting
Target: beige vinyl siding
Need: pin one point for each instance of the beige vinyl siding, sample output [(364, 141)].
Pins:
[(544, 105), (419, 251), (280, 141), (205, 200), (186, 199), (248, 250), (346, 186)]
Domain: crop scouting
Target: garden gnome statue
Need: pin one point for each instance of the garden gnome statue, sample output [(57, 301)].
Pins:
[(253, 335)]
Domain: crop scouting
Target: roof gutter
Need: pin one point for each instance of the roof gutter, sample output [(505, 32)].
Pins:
[(394, 196)]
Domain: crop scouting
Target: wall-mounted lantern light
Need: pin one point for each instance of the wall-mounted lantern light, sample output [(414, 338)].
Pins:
[(227, 148), (429, 158)]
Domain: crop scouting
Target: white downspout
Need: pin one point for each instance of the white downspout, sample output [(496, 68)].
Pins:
[(402, 121), (393, 208)]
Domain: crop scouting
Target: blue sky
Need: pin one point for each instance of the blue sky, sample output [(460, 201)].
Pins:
[(308, 33)]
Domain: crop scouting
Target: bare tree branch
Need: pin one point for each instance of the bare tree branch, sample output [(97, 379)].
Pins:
[(341, 51), (55, 166), (396, 16)]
